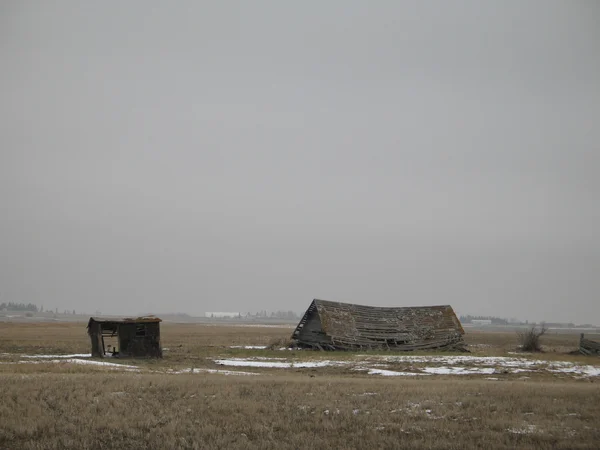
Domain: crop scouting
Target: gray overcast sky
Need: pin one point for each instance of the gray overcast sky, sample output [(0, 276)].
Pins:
[(198, 156)]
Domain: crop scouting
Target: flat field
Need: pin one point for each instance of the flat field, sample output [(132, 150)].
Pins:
[(216, 387)]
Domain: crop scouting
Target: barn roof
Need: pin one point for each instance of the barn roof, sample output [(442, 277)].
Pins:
[(337, 325)]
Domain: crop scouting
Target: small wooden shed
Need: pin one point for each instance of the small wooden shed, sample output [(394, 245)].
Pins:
[(137, 338)]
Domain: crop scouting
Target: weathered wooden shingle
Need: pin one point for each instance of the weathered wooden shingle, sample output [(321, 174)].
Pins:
[(343, 326)]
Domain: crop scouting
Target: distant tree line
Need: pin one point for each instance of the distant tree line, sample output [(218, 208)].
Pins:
[(495, 320), (467, 318), (284, 314), (11, 306), (274, 314)]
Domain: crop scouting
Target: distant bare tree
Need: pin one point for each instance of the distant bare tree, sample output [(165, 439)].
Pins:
[(530, 338)]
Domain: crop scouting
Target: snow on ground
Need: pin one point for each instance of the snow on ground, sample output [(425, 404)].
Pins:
[(588, 371), (382, 365), (249, 325), (203, 370), (427, 365), (80, 362), (75, 355), (126, 367), (250, 347), (525, 429), (392, 373), (512, 364), (266, 362), (453, 359), (259, 347), (485, 365), (459, 370)]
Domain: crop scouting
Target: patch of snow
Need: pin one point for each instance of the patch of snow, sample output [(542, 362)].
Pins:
[(589, 371), (246, 363), (75, 355), (460, 359), (249, 325), (203, 370), (459, 370), (265, 358), (241, 362), (391, 373), (492, 379), (81, 362), (488, 363), (448, 365), (523, 370), (529, 429), (249, 347)]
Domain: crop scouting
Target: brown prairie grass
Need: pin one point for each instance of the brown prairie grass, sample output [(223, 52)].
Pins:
[(65, 406), (107, 410), (188, 345), (71, 337)]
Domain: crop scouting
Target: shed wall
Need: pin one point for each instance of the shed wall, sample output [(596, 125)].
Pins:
[(140, 340), (95, 333)]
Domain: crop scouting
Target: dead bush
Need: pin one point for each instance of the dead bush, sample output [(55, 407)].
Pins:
[(530, 338)]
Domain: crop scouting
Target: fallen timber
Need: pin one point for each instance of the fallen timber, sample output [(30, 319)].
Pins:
[(588, 347), (330, 325)]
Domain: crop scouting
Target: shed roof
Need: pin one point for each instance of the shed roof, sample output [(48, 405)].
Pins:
[(144, 319)]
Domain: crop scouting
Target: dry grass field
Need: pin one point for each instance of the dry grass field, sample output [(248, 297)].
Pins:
[(45, 404)]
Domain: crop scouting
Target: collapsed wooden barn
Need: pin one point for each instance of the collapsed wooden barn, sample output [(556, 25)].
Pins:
[(588, 347), (330, 325), (137, 338)]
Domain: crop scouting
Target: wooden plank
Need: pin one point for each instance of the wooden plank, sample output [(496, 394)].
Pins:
[(588, 347)]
